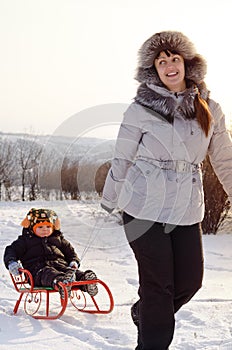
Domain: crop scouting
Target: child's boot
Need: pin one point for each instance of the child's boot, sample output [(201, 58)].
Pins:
[(68, 277), (92, 288)]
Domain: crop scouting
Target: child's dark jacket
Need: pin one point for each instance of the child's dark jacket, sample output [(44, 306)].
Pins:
[(35, 252)]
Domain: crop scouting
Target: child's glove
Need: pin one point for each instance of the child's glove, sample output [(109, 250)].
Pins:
[(14, 267), (74, 265)]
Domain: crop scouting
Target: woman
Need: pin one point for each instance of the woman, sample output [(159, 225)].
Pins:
[(156, 179)]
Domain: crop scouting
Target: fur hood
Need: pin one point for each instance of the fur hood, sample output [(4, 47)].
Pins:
[(195, 64)]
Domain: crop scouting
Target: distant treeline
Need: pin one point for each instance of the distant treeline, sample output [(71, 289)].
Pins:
[(30, 171)]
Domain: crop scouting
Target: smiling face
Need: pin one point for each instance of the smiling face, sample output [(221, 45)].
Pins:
[(171, 70)]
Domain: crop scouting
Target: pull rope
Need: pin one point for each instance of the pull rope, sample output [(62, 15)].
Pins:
[(93, 235)]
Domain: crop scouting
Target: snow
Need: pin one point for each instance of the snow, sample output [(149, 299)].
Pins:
[(204, 323)]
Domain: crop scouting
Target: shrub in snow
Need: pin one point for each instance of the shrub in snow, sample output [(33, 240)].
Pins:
[(216, 200)]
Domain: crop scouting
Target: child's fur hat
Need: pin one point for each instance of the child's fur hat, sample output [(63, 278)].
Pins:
[(195, 64), (41, 216)]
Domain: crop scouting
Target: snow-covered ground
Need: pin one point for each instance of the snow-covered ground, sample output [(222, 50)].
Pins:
[(204, 323)]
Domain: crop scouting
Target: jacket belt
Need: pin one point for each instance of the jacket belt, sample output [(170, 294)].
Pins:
[(179, 166)]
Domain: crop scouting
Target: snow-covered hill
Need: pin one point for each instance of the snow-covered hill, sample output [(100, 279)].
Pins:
[(87, 149)]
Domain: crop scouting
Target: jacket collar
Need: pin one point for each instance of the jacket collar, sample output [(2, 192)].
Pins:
[(168, 103)]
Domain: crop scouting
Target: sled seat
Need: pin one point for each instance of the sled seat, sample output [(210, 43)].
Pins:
[(46, 303)]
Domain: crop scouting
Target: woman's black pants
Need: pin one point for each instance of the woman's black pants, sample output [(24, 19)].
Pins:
[(170, 267)]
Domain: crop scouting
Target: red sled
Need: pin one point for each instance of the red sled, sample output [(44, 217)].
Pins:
[(46, 303)]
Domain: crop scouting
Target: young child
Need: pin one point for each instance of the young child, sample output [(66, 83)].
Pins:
[(43, 250)]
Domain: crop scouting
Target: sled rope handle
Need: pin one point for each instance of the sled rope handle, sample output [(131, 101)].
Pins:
[(93, 235)]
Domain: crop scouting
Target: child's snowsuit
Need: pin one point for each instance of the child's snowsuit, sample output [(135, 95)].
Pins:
[(47, 258)]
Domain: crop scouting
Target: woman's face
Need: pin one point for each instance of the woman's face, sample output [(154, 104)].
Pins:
[(171, 71)]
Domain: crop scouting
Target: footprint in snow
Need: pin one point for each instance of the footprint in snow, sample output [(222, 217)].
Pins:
[(132, 281)]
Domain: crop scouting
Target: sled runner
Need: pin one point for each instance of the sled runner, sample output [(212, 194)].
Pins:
[(46, 302)]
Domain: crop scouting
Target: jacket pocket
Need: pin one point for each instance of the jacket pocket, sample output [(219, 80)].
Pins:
[(132, 174), (145, 168), (142, 181), (135, 188)]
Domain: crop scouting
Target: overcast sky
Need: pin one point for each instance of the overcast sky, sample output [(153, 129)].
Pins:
[(60, 58)]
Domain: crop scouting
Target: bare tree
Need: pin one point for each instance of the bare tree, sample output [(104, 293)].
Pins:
[(100, 177), (69, 178), (216, 200), (28, 155), (6, 165), (50, 172)]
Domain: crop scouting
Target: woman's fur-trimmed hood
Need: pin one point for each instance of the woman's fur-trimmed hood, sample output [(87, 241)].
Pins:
[(195, 64)]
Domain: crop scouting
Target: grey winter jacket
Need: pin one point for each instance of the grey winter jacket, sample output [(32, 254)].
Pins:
[(156, 171)]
